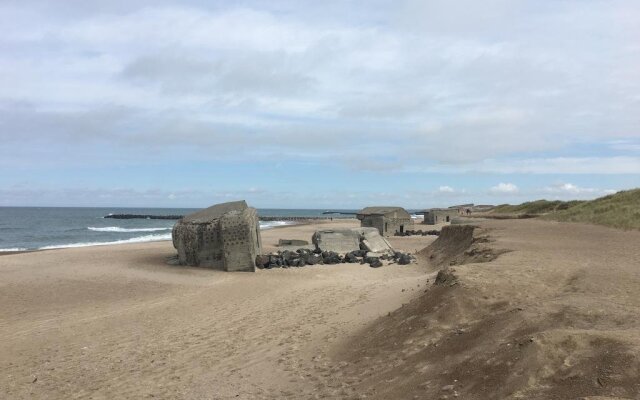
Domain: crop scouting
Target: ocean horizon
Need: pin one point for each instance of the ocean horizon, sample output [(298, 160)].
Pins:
[(43, 228)]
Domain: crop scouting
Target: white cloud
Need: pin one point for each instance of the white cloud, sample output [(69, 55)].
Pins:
[(571, 191), (445, 189), (504, 188), (569, 188), (625, 145), (412, 81), (401, 90), (610, 165), (566, 165)]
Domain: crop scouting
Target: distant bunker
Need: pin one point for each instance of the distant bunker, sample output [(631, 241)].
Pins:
[(225, 237), (434, 216), (388, 220)]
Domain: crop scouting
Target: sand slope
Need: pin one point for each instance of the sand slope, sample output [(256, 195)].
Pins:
[(556, 317)]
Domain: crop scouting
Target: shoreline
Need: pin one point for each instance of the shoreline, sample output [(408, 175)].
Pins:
[(14, 252), (77, 246)]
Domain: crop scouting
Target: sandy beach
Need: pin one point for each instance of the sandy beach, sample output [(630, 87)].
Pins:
[(554, 317)]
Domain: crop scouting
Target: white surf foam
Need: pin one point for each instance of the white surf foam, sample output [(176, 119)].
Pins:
[(14, 249), (118, 229), (264, 225), (139, 239), (147, 238)]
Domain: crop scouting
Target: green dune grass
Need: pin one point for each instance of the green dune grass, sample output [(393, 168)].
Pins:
[(535, 207), (619, 210)]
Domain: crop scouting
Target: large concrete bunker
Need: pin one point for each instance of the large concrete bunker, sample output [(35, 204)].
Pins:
[(388, 220), (225, 236)]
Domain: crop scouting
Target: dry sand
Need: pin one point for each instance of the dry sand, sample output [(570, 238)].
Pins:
[(118, 322), (556, 317)]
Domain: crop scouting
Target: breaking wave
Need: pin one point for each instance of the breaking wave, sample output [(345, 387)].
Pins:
[(13, 249), (264, 225), (139, 239), (118, 229)]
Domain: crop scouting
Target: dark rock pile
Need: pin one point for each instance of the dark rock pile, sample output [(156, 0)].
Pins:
[(419, 232), (446, 277), (303, 257)]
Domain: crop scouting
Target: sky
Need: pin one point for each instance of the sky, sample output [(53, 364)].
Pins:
[(332, 104)]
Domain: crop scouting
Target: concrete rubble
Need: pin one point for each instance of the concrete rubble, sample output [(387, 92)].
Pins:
[(336, 246), (304, 257), (419, 232), (292, 242), (347, 240), (372, 240)]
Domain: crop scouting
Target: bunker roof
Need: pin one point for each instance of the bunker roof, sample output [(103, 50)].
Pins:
[(436, 209), (215, 212), (379, 210), (462, 205)]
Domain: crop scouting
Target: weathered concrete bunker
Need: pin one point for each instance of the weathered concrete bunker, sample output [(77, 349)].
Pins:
[(388, 220), (225, 236), (434, 216)]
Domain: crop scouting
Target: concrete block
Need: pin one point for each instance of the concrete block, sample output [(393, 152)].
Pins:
[(341, 241)]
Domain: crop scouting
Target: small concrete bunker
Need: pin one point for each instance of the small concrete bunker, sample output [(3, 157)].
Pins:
[(388, 220), (435, 216), (225, 236)]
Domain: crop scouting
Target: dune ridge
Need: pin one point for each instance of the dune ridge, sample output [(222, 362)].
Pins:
[(519, 326)]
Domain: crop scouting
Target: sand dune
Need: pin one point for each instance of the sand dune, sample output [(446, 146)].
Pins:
[(556, 317)]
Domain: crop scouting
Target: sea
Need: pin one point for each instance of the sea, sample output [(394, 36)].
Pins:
[(41, 228)]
